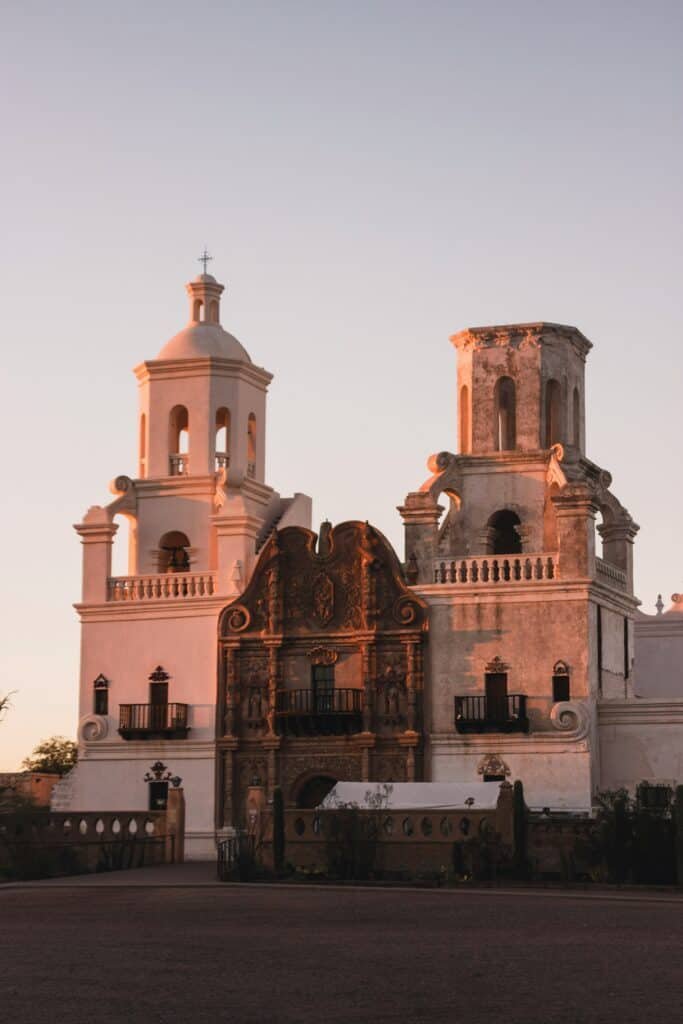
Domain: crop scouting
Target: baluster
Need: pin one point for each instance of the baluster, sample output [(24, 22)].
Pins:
[(550, 574), (474, 572), (485, 571), (518, 568), (496, 570)]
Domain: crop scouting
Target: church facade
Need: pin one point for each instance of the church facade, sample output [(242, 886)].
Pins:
[(242, 650)]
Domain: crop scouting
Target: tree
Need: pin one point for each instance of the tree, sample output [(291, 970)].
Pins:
[(5, 703), (58, 755)]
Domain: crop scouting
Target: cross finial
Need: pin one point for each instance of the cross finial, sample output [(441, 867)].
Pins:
[(205, 258)]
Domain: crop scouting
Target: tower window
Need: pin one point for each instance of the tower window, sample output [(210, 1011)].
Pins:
[(251, 445), (553, 413), (101, 695), (503, 536), (560, 682), (174, 552), (505, 415), (465, 443), (213, 311), (178, 441), (197, 310), (143, 446), (222, 438), (576, 417)]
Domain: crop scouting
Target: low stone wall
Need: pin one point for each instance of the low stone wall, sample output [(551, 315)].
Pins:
[(37, 843), (406, 841)]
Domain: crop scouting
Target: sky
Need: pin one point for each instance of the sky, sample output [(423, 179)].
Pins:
[(370, 177)]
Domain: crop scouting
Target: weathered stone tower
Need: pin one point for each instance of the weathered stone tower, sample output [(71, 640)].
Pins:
[(528, 628)]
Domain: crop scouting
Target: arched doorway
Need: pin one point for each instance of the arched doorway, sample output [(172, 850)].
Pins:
[(313, 791)]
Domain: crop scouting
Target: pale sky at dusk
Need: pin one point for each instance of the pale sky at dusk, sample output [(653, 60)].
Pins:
[(370, 178)]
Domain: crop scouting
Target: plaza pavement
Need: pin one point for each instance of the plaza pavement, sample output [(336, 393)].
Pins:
[(176, 947)]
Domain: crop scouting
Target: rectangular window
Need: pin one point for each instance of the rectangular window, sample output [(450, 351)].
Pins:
[(101, 700), (496, 696), (322, 684), (158, 796), (560, 688), (626, 654)]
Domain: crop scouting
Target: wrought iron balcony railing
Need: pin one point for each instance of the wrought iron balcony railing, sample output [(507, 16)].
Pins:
[(491, 714), (315, 713), (142, 721)]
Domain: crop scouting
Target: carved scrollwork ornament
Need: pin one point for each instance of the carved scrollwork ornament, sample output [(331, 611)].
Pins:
[(238, 618), (323, 656), (570, 717), (405, 610), (92, 728), (493, 764)]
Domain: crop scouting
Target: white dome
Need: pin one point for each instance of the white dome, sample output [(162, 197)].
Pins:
[(203, 339)]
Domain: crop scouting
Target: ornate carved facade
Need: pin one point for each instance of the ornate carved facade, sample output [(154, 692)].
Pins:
[(320, 669)]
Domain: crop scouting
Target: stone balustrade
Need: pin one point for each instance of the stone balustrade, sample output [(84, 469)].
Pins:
[(169, 586), (496, 569), (610, 574)]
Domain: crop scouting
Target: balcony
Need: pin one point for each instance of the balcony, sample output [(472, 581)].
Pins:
[(179, 464), (327, 713), (491, 714), (153, 721), (166, 586), (496, 569)]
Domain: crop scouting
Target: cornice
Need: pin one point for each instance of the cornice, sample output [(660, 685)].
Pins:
[(188, 608), (522, 336), (533, 743), (641, 711), (202, 366)]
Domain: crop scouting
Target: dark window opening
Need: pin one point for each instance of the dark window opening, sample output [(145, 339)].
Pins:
[(494, 778), (560, 687), (553, 413), (496, 695), (505, 412), (101, 695), (158, 796), (504, 538), (626, 653), (322, 684)]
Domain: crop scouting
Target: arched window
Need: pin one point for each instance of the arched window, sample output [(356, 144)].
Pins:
[(179, 441), (143, 447), (101, 695), (213, 311), (251, 445), (465, 443), (576, 418), (174, 552), (222, 438), (505, 439), (560, 682), (503, 536), (553, 413), (197, 310)]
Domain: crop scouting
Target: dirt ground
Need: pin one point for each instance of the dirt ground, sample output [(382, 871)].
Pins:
[(160, 955)]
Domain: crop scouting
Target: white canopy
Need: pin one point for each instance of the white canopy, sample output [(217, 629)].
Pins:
[(412, 796)]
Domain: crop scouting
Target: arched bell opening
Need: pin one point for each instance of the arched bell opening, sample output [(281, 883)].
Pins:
[(504, 538), (174, 552)]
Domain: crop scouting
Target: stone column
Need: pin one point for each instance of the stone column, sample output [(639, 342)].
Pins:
[(97, 535), (617, 545), (575, 508), (420, 516), (175, 826)]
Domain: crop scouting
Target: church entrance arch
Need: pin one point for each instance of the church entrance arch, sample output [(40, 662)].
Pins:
[(312, 790)]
